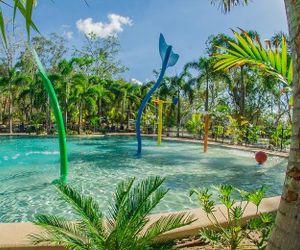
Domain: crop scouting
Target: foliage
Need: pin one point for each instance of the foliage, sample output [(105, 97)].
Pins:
[(232, 235), (236, 128), (93, 97), (226, 5), (281, 135), (124, 228), (253, 133), (25, 8), (195, 124), (246, 51)]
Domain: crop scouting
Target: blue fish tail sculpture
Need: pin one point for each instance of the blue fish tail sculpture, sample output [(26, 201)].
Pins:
[(169, 59)]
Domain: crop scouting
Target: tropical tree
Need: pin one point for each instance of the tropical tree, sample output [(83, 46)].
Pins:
[(127, 226), (9, 82), (206, 74), (177, 87), (287, 230), (103, 95), (83, 96), (63, 76)]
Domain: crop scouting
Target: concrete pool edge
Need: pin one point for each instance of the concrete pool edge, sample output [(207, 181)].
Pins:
[(249, 148), (14, 235)]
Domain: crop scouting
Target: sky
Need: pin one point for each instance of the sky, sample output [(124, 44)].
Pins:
[(186, 25)]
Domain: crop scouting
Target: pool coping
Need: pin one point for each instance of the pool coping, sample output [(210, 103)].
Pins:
[(14, 235), (171, 138)]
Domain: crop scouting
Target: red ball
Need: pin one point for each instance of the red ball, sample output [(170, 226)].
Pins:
[(261, 157)]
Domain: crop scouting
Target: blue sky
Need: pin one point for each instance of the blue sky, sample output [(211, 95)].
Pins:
[(186, 25)]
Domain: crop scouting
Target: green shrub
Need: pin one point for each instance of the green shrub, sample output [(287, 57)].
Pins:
[(232, 235)]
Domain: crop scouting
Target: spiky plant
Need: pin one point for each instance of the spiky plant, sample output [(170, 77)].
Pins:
[(247, 51), (127, 226)]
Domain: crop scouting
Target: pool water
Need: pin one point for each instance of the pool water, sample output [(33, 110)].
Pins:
[(28, 165)]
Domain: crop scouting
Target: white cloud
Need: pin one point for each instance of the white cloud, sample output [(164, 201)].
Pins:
[(112, 27), (66, 32), (136, 81)]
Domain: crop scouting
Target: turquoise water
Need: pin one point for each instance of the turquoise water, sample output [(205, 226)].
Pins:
[(29, 164)]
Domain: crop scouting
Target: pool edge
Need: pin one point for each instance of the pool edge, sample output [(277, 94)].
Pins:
[(14, 235)]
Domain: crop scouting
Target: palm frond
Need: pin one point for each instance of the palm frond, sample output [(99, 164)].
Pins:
[(227, 5), (60, 232), (165, 224), (86, 207), (143, 197), (246, 51), (2, 27), (139, 201), (120, 196), (25, 7)]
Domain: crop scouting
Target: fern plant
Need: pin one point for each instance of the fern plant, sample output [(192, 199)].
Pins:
[(127, 226)]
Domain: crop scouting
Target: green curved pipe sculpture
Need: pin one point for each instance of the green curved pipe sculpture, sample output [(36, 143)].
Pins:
[(58, 118)]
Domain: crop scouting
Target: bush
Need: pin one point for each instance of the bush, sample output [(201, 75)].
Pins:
[(232, 235)]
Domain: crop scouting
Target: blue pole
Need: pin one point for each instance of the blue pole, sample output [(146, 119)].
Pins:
[(147, 98)]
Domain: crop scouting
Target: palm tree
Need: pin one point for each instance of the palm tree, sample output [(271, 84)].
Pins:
[(287, 230), (133, 92), (206, 74), (9, 81), (226, 5), (177, 86), (63, 76), (84, 96), (127, 226), (103, 95)]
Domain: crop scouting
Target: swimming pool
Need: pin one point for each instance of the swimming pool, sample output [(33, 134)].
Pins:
[(29, 164)]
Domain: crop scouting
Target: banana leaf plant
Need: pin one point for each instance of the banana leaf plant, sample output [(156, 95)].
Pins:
[(246, 51)]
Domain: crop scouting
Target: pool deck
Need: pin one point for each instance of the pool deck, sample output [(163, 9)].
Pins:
[(179, 139), (14, 236)]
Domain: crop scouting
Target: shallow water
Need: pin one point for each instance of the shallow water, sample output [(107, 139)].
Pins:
[(29, 164)]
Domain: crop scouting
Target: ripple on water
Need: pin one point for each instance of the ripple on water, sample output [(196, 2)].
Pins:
[(27, 167)]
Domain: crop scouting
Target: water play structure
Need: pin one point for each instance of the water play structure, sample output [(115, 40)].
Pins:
[(261, 157), (160, 104), (206, 128), (58, 118), (169, 59)]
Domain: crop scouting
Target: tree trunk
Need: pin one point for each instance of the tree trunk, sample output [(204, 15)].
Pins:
[(286, 232), (31, 105), (243, 93), (178, 112), (128, 116), (206, 116), (48, 116), (79, 119), (100, 112), (10, 110)]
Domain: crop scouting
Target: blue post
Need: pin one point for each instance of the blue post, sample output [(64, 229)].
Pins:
[(168, 59)]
